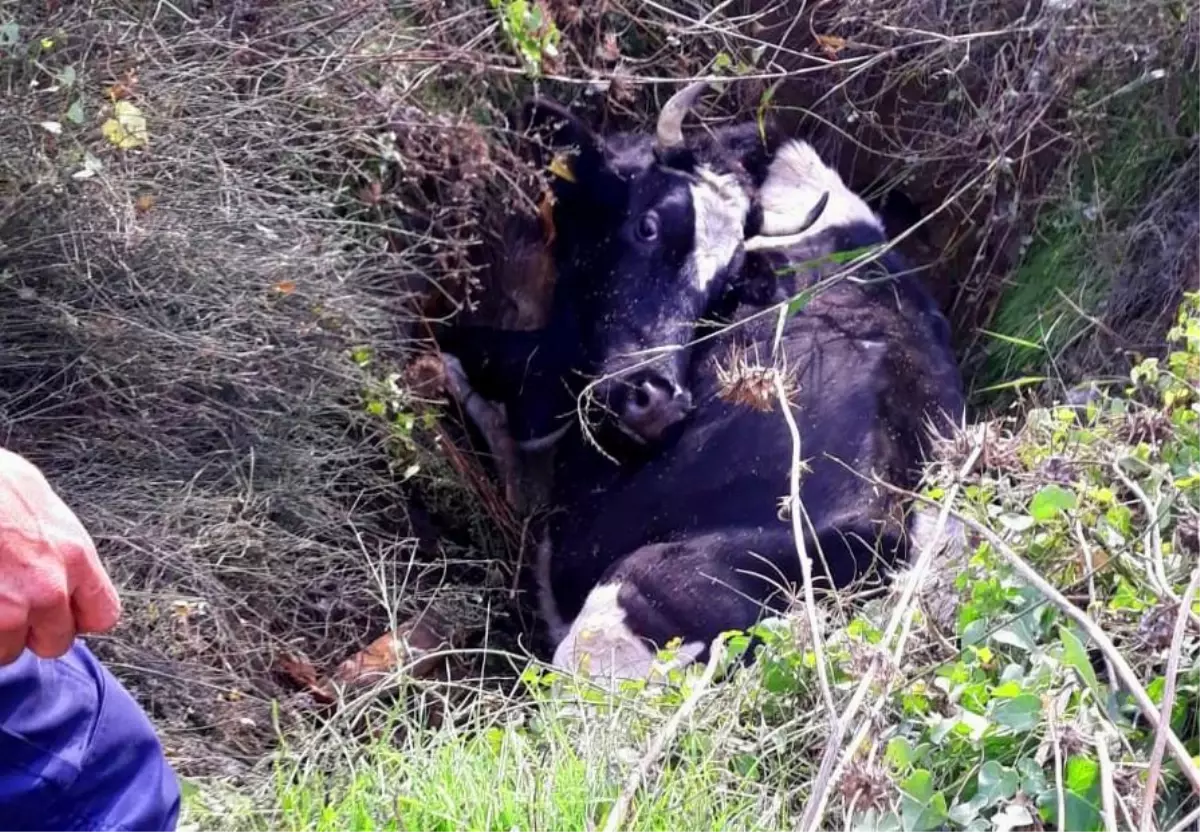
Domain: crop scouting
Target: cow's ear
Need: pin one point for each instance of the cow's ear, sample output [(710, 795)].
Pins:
[(751, 144), (564, 143), (757, 283)]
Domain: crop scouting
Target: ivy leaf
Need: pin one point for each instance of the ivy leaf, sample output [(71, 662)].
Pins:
[(997, 782), (1082, 784), (1050, 502), (1012, 817), (1021, 713), (922, 808), (899, 753), (75, 112)]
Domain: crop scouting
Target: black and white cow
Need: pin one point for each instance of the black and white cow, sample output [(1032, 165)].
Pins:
[(665, 517)]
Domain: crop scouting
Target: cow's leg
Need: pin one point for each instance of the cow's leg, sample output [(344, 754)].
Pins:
[(492, 422), (698, 588), (489, 372), (692, 590)]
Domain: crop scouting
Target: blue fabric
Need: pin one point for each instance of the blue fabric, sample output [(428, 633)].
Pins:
[(76, 751)]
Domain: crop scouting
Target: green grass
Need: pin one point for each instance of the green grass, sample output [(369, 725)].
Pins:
[(1076, 251), (557, 763)]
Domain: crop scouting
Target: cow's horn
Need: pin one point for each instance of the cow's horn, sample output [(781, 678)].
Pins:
[(786, 232), (670, 118)]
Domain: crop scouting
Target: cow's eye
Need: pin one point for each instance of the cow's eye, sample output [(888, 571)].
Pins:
[(647, 227)]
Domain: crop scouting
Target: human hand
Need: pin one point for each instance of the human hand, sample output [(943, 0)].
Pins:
[(52, 584)]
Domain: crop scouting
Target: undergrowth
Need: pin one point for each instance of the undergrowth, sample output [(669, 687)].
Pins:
[(989, 709), (1085, 262)]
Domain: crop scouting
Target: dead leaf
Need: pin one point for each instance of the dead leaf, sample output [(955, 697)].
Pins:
[(408, 646), (285, 287), (609, 49), (560, 166), (831, 45), (144, 203), (127, 128), (304, 674), (124, 88)]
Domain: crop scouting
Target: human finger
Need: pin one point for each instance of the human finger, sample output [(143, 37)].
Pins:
[(51, 628), (13, 630), (95, 603)]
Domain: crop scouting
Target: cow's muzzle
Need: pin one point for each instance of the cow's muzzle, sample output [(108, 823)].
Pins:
[(646, 403)]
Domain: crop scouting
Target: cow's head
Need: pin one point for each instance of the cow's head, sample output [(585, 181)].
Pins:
[(648, 233)]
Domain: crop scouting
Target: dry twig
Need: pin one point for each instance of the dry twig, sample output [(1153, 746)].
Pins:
[(1168, 702)]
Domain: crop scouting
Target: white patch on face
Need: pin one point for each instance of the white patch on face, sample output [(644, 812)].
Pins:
[(796, 180), (720, 206), (601, 645)]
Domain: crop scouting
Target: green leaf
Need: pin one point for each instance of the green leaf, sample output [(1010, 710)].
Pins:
[(1033, 776), (997, 782), (66, 76), (10, 33), (899, 753), (1021, 713), (1050, 502), (800, 301), (1082, 773), (922, 809), (964, 813), (918, 785), (1074, 655), (75, 111), (1082, 782), (1011, 817)]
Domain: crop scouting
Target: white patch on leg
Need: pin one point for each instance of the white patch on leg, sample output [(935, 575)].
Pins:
[(922, 530), (720, 206), (796, 180), (601, 645)]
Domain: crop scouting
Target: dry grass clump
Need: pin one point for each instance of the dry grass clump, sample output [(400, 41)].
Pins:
[(193, 334)]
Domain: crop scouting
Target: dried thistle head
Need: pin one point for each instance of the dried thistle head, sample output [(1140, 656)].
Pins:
[(426, 375), (742, 380), (1157, 626), (1187, 534), (1146, 425), (866, 784), (1071, 740), (1058, 469)]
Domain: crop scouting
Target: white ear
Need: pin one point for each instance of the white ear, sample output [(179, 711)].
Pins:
[(797, 180)]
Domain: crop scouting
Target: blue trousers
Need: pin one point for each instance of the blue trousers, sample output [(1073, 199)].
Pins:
[(76, 751)]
